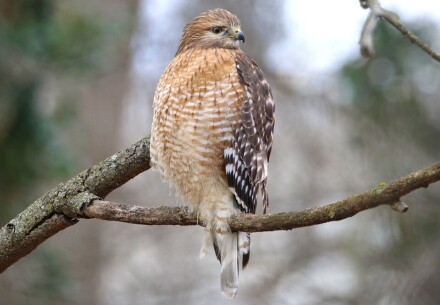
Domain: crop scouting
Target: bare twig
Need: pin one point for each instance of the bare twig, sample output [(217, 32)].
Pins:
[(376, 13), (412, 37), (366, 41)]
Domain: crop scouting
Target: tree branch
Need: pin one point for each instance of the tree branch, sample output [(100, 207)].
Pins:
[(377, 12), (58, 209), (383, 194), (80, 197)]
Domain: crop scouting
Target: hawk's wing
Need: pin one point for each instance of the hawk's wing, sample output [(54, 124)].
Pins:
[(247, 158)]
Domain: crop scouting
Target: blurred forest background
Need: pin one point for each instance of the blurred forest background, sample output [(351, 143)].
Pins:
[(76, 85)]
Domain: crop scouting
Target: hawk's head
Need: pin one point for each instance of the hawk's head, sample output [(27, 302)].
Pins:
[(216, 28)]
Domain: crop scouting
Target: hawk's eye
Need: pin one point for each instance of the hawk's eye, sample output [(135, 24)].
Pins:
[(217, 29)]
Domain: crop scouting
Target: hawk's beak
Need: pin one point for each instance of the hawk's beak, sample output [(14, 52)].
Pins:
[(237, 34)]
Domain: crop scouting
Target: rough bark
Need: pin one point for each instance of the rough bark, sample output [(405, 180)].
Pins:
[(58, 209), (383, 194)]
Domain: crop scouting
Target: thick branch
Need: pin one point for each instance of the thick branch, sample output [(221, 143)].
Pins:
[(58, 208), (383, 194)]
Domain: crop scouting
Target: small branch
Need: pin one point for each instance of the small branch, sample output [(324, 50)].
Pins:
[(123, 212), (366, 41), (377, 12), (383, 194), (412, 37)]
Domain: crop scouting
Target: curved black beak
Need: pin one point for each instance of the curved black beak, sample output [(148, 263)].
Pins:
[(239, 36)]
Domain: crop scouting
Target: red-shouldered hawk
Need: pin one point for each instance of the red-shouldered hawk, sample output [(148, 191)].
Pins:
[(212, 133)]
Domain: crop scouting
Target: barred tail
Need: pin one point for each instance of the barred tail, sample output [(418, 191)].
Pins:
[(225, 246), (232, 250)]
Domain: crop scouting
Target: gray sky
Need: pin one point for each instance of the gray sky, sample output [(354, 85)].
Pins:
[(325, 32), (328, 31)]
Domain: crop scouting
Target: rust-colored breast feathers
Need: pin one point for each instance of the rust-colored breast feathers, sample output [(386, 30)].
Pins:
[(197, 109)]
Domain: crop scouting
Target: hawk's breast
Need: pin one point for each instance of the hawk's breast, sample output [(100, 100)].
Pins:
[(197, 107)]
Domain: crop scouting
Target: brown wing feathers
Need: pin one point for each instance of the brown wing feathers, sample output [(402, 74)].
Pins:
[(246, 161)]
